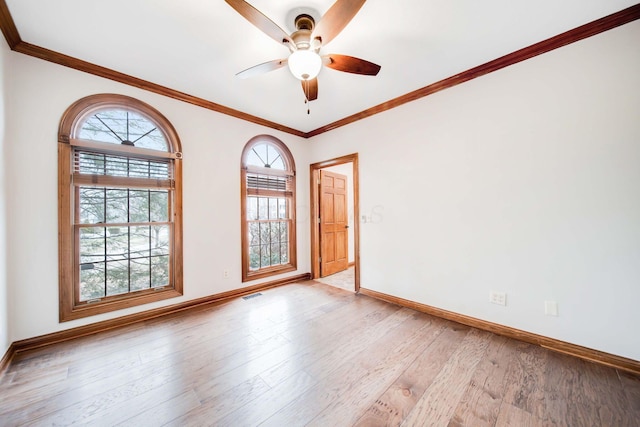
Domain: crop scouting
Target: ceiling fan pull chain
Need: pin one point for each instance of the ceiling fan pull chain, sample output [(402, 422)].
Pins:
[(306, 97)]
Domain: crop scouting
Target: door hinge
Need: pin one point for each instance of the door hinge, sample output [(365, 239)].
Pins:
[(318, 220), (319, 259)]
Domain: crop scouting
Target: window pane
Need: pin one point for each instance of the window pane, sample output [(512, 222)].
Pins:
[(258, 155), (140, 242), (252, 208), (263, 212), (138, 168), (284, 253), (160, 240), (117, 243), (284, 231), (117, 277), (90, 163), (265, 155), (278, 163), (91, 281), (92, 244), (139, 205), (275, 254), (254, 257), (265, 233), (117, 166), (140, 273), (254, 233), (159, 205), (274, 237), (265, 256), (118, 125), (117, 206), (273, 208), (159, 271), (91, 205), (282, 208), (159, 170)]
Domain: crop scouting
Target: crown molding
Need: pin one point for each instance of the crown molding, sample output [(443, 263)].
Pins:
[(12, 35)]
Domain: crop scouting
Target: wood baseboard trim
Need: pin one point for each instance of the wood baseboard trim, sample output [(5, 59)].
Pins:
[(6, 359), (584, 353), (94, 328)]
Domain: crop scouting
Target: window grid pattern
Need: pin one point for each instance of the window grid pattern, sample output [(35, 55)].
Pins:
[(117, 256), (268, 225)]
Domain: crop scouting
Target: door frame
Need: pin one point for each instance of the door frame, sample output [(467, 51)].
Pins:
[(314, 175)]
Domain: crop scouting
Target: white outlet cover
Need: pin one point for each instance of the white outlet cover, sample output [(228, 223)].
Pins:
[(551, 308), (499, 298)]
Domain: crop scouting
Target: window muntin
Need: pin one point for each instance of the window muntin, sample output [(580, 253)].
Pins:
[(123, 189), (268, 185)]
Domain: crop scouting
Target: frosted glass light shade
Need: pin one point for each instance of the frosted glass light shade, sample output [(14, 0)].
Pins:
[(304, 64)]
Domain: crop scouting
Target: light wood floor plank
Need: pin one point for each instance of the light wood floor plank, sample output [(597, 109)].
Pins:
[(525, 379), (438, 403), (511, 416), (481, 401), (369, 387), (163, 412), (631, 386), (399, 399), (270, 402)]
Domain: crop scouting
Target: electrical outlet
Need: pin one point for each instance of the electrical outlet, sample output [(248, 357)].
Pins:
[(499, 298), (551, 308), (225, 274)]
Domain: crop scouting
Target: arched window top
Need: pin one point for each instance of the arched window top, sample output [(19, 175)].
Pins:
[(267, 152), (117, 125), (119, 121)]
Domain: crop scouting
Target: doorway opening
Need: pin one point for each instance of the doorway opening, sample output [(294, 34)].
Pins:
[(335, 231)]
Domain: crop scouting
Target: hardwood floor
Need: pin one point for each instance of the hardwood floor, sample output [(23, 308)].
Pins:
[(310, 354)]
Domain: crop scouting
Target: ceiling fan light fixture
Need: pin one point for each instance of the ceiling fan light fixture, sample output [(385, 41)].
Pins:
[(305, 64)]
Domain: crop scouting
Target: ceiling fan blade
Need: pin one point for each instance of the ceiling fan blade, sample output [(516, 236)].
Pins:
[(310, 89), (336, 18), (263, 68), (258, 19), (349, 64)]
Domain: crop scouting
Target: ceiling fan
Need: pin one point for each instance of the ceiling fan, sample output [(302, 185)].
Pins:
[(304, 44)]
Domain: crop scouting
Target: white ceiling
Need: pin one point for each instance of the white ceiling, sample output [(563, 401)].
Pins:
[(197, 46)]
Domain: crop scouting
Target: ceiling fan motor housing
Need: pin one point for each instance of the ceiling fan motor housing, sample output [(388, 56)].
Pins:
[(302, 37)]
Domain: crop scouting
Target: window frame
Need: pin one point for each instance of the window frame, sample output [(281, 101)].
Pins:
[(290, 169), (70, 308)]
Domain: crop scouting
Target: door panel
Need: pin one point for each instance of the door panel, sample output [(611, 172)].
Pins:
[(334, 244)]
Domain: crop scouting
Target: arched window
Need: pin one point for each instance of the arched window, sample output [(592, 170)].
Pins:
[(120, 206), (268, 208)]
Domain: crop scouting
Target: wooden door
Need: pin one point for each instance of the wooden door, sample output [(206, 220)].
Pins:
[(334, 242)]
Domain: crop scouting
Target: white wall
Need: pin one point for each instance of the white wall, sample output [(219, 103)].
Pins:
[(4, 292), (38, 94), (525, 181), (347, 170)]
